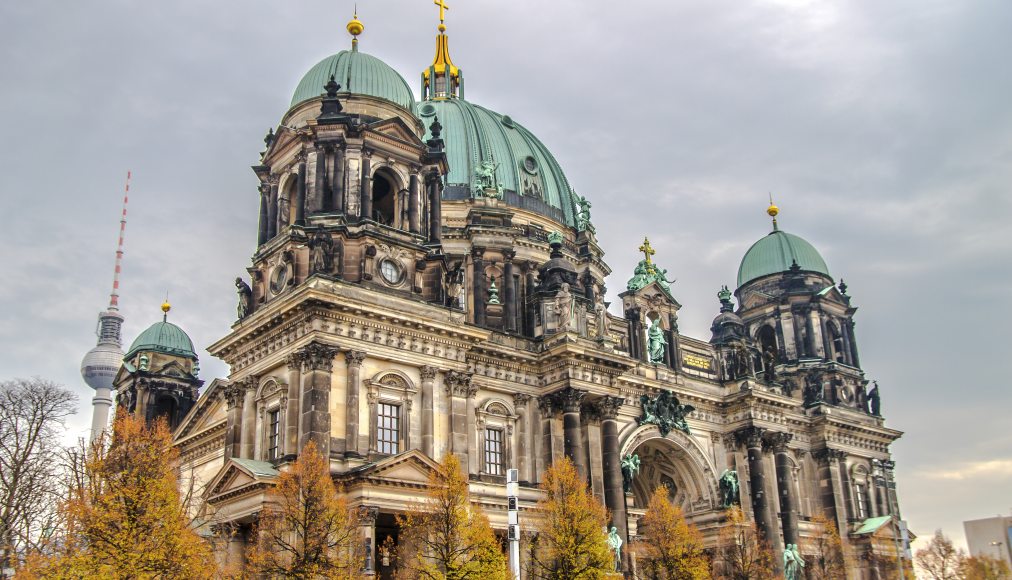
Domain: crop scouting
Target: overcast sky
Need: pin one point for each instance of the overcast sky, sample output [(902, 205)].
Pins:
[(883, 130)]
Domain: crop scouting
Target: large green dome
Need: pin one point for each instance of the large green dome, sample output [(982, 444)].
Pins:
[(358, 73), (163, 337), (526, 171), (775, 253)]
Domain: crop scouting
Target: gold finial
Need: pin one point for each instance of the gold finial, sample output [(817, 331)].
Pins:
[(773, 210), (442, 66), (355, 27), (442, 13), (647, 252), (165, 308)]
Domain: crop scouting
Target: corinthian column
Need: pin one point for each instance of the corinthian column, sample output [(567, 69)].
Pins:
[(292, 413), (572, 433), (520, 402), (614, 497), (428, 378), (353, 358), (788, 503), (752, 439), (249, 417), (234, 395), (317, 366), (457, 387)]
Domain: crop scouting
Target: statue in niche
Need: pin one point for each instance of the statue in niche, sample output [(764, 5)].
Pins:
[(728, 484), (813, 389), (283, 213), (769, 364), (583, 214), (321, 252), (602, 317), (874, 400), (666, 412), (656, 342), (630, 467), (564, 308), (453, 283), (615, 544), (245, 293)]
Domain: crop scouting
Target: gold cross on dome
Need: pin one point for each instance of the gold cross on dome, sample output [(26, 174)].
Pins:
[(442, 8), (647, 250)]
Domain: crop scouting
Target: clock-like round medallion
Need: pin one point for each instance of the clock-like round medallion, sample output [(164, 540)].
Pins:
[(391, 272), (279, 277)]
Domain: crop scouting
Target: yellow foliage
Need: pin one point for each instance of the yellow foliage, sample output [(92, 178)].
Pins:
[(124, 517), (446, 537), (826, 548), (742, 553), (307, 530), (672, 548), (569, 542)]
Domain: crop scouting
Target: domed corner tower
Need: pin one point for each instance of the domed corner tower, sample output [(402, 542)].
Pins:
[(159, 375), (800, 322)]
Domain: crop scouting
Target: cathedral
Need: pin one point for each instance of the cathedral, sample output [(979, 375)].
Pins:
[(426, 281)]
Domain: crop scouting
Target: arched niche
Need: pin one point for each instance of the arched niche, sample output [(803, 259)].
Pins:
[(675, 458)]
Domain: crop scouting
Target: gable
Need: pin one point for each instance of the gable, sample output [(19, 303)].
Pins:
[(396, 128), (207, 412), (410, 468), (239, 476)]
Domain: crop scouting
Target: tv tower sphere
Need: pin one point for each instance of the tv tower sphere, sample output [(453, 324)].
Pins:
[(100, 365)]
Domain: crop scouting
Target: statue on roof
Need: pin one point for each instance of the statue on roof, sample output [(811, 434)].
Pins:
[(583, 214), (245, 293), (485, 182)]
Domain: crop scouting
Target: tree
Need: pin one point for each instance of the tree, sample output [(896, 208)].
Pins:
[(448, 538), (125, 518), (940, 560), (672, 548), (984, 567), (32, 413), (569, 541), (826, 547), (743, 554), (306, 530)]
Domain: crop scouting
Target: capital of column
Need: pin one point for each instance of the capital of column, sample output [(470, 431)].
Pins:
[(508, 255), (248, 383), (477, 252), (520, 401), (750, 436), (779, 441), (234, 394), (458, 383), (546, 405), (827, 456), (367, 515), (571, 399), (354, 358), (294, 361), (428, 373), (609, 406), (317, 356)]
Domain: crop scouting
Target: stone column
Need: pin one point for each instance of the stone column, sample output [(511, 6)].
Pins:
[(320, 201), (263, 225), (365, 194), (337, 186), (434, 185), (509, 290), (829, 482), (478, 284), (353, 445), (300, 199), (457, 386), (788, 503), (614, 495), (428, 408), (636, 349), (249, 417), (234, 395), (573, 433), (520, 402), (855, 361), (292, 413), (413, 215), (752, 439), (367, 520), (474, 455), (272, 208), (317, 365)]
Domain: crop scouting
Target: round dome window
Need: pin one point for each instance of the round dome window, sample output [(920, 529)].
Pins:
[(507, 121), (530, 164), (427, 110)]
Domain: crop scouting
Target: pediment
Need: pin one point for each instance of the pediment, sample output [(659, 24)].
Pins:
[(241, 475), (752, 300), (173, 369), (396, 128), (207, 412), (409, 468)]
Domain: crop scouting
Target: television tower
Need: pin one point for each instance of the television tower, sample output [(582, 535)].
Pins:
[(100, 365)]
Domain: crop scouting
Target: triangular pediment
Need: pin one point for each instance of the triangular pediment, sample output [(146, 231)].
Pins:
[(409, 468), (396, 128), (240, 475), (752, 300), (173, 369), (207, 412)]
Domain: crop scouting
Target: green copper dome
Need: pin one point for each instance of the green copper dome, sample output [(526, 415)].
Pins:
[(525, 169), (775, 253), (357, 73), (163, 337)]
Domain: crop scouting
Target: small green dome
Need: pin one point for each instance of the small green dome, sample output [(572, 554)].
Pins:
[(357, 73), (163, 337), (526, 170), (775, 253)]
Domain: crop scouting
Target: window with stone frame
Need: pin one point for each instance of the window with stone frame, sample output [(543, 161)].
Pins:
[(390, 396), (861, 485), (496, 421), (272, 403)]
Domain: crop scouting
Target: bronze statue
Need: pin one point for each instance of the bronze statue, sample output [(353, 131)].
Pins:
[(728, 484), (245, 307), (630, 467)]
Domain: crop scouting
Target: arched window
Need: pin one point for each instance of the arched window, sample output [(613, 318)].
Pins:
[(384, 198), (836, 341)]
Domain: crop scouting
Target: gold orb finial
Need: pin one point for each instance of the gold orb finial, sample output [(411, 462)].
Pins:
[(772, 210), (442, 27), (166, 307), (355, 26)]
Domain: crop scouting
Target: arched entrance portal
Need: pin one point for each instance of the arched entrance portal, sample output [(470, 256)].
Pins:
[(675, 462)]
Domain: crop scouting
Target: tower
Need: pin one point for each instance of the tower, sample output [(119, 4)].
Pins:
[(99, 366)]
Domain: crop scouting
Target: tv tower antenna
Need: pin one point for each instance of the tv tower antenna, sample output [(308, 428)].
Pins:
[(102, 362)]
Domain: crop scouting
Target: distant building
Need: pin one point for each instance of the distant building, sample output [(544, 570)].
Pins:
[(990, 536)]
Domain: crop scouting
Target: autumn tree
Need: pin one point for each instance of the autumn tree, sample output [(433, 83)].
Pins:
[(984, 567), (672, 548), (32, 414), (445, 536), (306, 529), (743, 554), (825, 545), (124, 517), (940, 559), (569, 541)]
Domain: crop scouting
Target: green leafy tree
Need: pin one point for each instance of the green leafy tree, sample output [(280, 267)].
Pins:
[(448, 537), (672, 548), (569, 542)]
